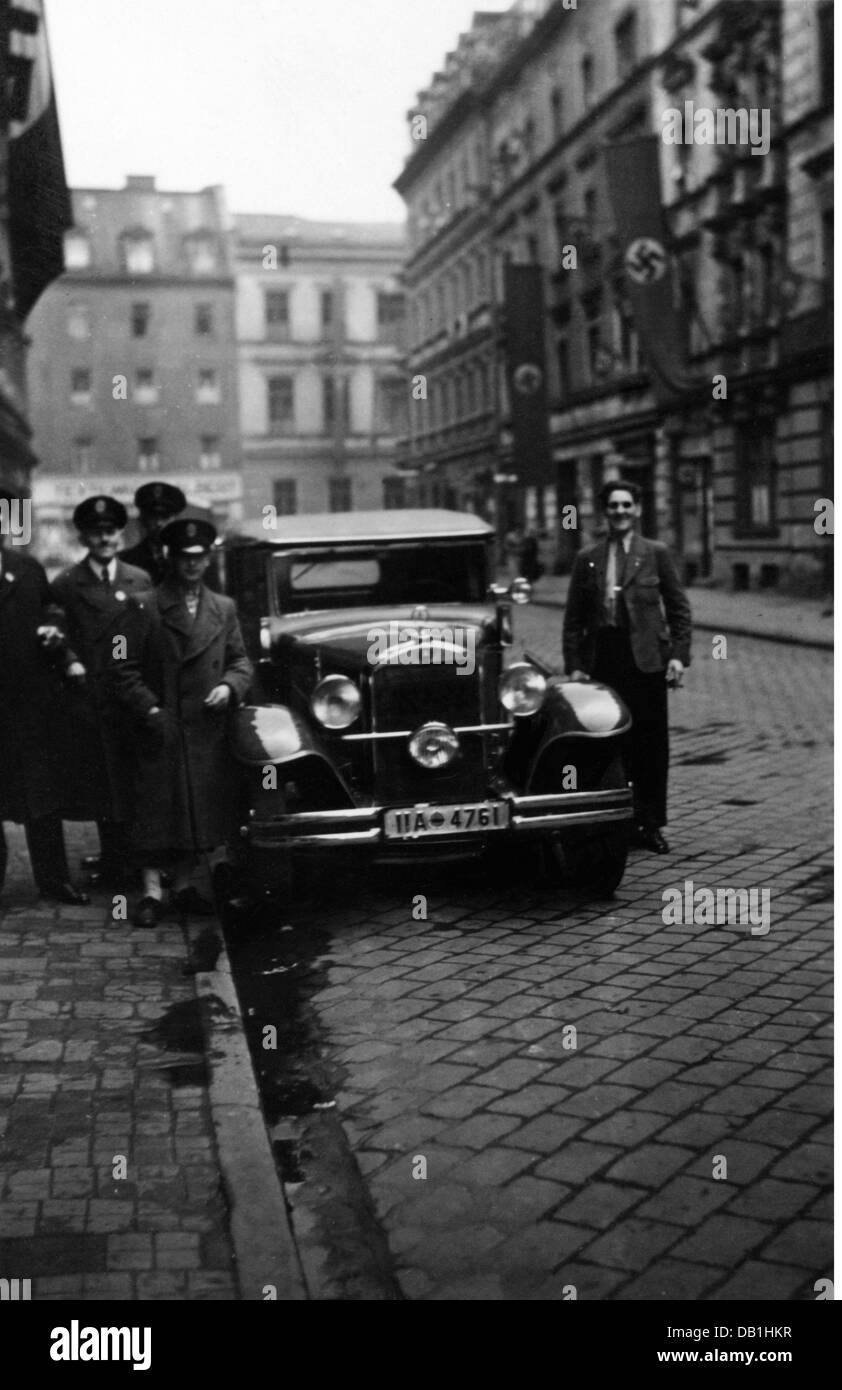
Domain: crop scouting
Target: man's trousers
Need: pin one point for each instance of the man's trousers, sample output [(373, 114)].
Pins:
[(45, 842), (646, 750)]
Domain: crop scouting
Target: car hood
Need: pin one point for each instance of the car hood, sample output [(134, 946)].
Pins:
[(371, 636)]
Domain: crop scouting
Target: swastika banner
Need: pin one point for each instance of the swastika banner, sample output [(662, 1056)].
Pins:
[(634, 187), (39, 203), (526, 370)]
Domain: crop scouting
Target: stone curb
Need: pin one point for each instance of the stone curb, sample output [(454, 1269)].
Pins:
[(791, 640), (260, 1230)]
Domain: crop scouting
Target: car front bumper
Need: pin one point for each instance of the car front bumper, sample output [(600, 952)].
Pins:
[(363, 826)]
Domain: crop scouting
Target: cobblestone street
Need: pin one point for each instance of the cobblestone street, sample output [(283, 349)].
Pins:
[(548, 1167), (677, 1145)]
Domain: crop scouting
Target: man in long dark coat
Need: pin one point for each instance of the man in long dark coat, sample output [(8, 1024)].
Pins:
[(157, 503), (186, 665), (97, 756), (30, 663), (627, 623)]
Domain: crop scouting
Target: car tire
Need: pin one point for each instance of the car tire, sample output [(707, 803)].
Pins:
[(595, 862)]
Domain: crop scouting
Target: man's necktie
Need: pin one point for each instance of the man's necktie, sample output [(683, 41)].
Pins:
[(611, 582), (104, 580)]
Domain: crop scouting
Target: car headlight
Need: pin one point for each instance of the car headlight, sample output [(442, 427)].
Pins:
[(434, 745), (335, 702), (520, 591), (522, 689)]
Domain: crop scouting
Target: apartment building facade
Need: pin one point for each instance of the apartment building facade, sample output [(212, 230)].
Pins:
[(320, 343), (132, 366), (730, 479)]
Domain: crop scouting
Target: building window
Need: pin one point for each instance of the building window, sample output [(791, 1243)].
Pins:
[(281, 400), (329, 403), (78, 321), (589, 203), (77, 251), (594, 346), (556, 112), (471, 390), (207, 389), (285, 496), (83, 455), (339, 494), (147, 454), (327, 308), (825, 42), (203, 320), (390, 316), (394, 494), (625, 45), (80, 386), (586, 70), (145, 389), (458, 396), (201, 254), (755, 490), (209, 453), (138, 254), (563, 359), (533, 250), (140, 320), (391, 405), (276, 313)]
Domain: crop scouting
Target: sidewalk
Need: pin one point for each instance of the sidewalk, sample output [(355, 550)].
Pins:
[(772, 616), (134, 1158)]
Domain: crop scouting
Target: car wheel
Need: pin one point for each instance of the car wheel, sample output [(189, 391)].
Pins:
[(596, 862)]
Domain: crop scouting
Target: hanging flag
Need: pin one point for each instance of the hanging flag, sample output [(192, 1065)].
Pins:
[(40, 209), (526, 369), (634, 186)]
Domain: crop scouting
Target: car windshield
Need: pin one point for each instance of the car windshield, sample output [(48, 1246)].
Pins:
[(337, 578)]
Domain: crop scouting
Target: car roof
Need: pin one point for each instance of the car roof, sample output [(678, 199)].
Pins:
[(317, 528)]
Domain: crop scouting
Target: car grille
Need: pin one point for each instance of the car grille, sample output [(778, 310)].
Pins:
[(405, 697)]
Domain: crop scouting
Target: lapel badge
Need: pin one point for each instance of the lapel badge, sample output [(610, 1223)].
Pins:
[(9, 578), (120, 595)]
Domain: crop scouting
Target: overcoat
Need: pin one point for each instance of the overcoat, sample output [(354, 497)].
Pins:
[(658, 611), (30, 685), (144, 556), (96, 756), (185, 774)]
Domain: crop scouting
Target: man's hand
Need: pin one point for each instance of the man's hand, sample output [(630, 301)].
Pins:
[(219, 697), (675, 673), (578, 676), (76, 672), (50, 637)]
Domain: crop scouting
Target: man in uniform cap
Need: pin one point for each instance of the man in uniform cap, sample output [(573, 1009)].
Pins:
[(185, 667), (157, 503), (97, 757), (33, 651)]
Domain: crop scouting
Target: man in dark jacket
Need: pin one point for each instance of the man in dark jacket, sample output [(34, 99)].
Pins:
[(157, 503), (186, 665), (627, 624), (32, 651), (97, 759)]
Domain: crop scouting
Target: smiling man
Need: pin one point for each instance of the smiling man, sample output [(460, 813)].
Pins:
[(627, 624)]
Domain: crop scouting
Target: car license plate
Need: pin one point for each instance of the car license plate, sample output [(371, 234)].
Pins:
[(413, 822)]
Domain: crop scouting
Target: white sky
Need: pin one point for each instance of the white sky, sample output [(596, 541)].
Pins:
[(295, 106)]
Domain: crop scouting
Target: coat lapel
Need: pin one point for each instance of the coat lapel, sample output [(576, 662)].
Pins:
[(207, 624), (174, 613), (9, 577), (637, 554)]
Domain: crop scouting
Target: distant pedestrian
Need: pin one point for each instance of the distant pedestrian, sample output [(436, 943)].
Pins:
[(186, 667), (32, 653), (157, 503), (530, 565), (97, 753), (627, 623)]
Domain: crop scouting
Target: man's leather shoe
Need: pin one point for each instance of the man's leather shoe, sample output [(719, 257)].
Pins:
[(147, 913), (65, 893), (649, 837), (188, 902)]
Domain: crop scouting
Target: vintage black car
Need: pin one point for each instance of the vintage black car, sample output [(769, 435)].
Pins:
[(385, 719)]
